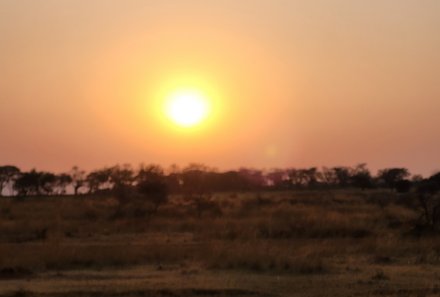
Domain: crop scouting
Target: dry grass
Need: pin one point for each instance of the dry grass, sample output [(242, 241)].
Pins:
[(302, 233)]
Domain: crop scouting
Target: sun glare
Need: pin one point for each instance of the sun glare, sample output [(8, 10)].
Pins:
[(187, 108)]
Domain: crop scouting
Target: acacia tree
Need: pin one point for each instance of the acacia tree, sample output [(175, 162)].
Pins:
[(8, 174), (47, 182), (121, 175), (62, 181), (392, 176), (343, 176), (305, 177), (361, 177), (35, 183), (98, 179), (28, 183)]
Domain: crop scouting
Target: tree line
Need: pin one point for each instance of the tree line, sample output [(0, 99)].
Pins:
[(198, 178)]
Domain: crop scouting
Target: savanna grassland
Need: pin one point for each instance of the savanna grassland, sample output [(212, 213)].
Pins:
[(292, 243)]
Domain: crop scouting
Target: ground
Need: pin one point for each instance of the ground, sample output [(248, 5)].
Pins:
[(292, 243)]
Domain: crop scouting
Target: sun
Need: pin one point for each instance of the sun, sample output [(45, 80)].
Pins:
[(187, 107)]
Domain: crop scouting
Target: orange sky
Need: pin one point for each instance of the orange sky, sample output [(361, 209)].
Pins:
[(296, 83)]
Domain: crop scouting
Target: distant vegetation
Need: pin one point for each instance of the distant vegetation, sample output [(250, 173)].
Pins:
[(197, 178), (151, 184), (198, 182)]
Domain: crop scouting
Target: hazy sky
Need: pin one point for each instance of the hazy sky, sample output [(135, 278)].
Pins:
[(296, 83)]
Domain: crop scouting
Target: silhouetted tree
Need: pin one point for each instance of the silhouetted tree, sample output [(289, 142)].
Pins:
[(121, 175), (304, 177), (99, 179), (173, 179), (254, 178), (194, 179), (8, 174), (151, 185), (429, 200), (361, 177), (62, 181), (47, 182), (155, 192), (150, 172), (390, 176), (230, 181), (28, 183), (343, 176), (435, 179), (417, 179), (35, 183)]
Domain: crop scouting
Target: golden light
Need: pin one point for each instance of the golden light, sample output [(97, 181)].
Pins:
[(187, 108)]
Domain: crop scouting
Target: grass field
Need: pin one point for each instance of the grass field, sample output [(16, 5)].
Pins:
[(301, 243)]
